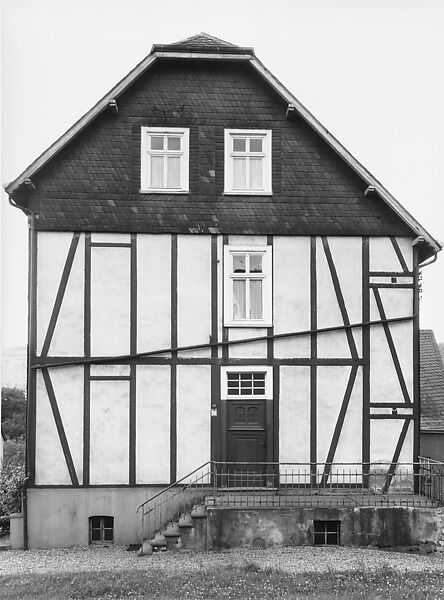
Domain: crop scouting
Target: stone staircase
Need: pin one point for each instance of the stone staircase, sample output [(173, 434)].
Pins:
[(188, 532)]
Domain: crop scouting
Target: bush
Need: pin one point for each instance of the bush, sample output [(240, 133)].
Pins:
[(13, 413), (12, 479)]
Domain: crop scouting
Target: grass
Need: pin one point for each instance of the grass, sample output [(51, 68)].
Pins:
[(241, 582)]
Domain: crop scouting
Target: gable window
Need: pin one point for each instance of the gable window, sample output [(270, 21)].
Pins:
[(165, 158), (101, 530), (247, 161), (247, 286)]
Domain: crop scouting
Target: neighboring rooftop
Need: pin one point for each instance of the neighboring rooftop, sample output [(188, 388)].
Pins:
[(432, 383)]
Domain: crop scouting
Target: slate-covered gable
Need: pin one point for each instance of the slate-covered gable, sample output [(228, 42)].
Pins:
[(93, 184), (431, 383)]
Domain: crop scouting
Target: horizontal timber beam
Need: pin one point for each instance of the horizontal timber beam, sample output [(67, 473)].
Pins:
[(175, 350)]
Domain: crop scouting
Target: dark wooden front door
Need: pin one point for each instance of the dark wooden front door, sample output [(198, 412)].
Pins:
[(246, 441)]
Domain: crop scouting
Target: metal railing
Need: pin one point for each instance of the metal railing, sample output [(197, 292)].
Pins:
[(178, 498), (296, 485)]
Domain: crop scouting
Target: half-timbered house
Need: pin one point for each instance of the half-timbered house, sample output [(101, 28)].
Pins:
[(212, 277)]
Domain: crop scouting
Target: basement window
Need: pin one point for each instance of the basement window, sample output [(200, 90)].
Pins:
[(327, 533), (101, 530)]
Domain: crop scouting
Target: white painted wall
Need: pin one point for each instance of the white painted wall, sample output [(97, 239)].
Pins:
[(153, 292), (291, 291), (194, 292), (193, 417), (153, 424), (109, 442), (294, 414), (110, 301)]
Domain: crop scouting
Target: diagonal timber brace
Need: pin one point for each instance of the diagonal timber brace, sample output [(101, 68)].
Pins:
[(275, 336)]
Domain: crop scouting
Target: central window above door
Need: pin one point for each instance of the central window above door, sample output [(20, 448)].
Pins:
[(165, 158), (247, 161), (248, 286)]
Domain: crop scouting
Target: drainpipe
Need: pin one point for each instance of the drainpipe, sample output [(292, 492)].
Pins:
[(30, 350)]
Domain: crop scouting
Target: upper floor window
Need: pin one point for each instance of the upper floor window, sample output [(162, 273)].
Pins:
[(247, 286), (165, 157), (247, 161)]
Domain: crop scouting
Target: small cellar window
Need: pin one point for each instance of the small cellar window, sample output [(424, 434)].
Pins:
[(101, 530), (327, 533)]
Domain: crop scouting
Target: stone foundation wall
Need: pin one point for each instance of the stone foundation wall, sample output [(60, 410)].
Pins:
[(376, 526)]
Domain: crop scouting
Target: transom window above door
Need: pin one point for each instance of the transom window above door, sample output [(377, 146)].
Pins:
[(165, 160), (246, 382), (247, 286), (247, 161)]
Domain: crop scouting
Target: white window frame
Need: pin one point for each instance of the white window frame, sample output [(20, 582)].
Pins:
[(265, 135), (250, 369), (184, 153), (267, 285)]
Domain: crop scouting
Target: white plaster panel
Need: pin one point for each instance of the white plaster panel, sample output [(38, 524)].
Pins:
[(111, 238), (384, 383), (110, 301), (247, 240), (331, 386), (383, 256), (194, 292), (53, 249), (107, 370), (153, 292), (68, 389), (69, 332), (247, 350), (294, 414), (384, 435), (291, 294), (333, 344), (109, 431), (347, 258), (349, 448), (406, 247), (153, 424), (193, 417), (50, 463)]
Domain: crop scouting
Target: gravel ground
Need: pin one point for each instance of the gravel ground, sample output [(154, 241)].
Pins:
[(291, 560)]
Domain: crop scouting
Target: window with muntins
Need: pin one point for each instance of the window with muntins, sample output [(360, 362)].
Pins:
[(247, 286), (246, 384), (247, 161), (165, 160), (101, 530), (326, 533)]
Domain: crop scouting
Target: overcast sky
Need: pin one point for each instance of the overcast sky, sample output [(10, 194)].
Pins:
[(370, 70)]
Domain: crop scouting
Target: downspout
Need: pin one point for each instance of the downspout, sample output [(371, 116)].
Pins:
[(31, 304)]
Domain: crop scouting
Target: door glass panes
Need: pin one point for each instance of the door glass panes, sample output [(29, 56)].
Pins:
[(246, 384)]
